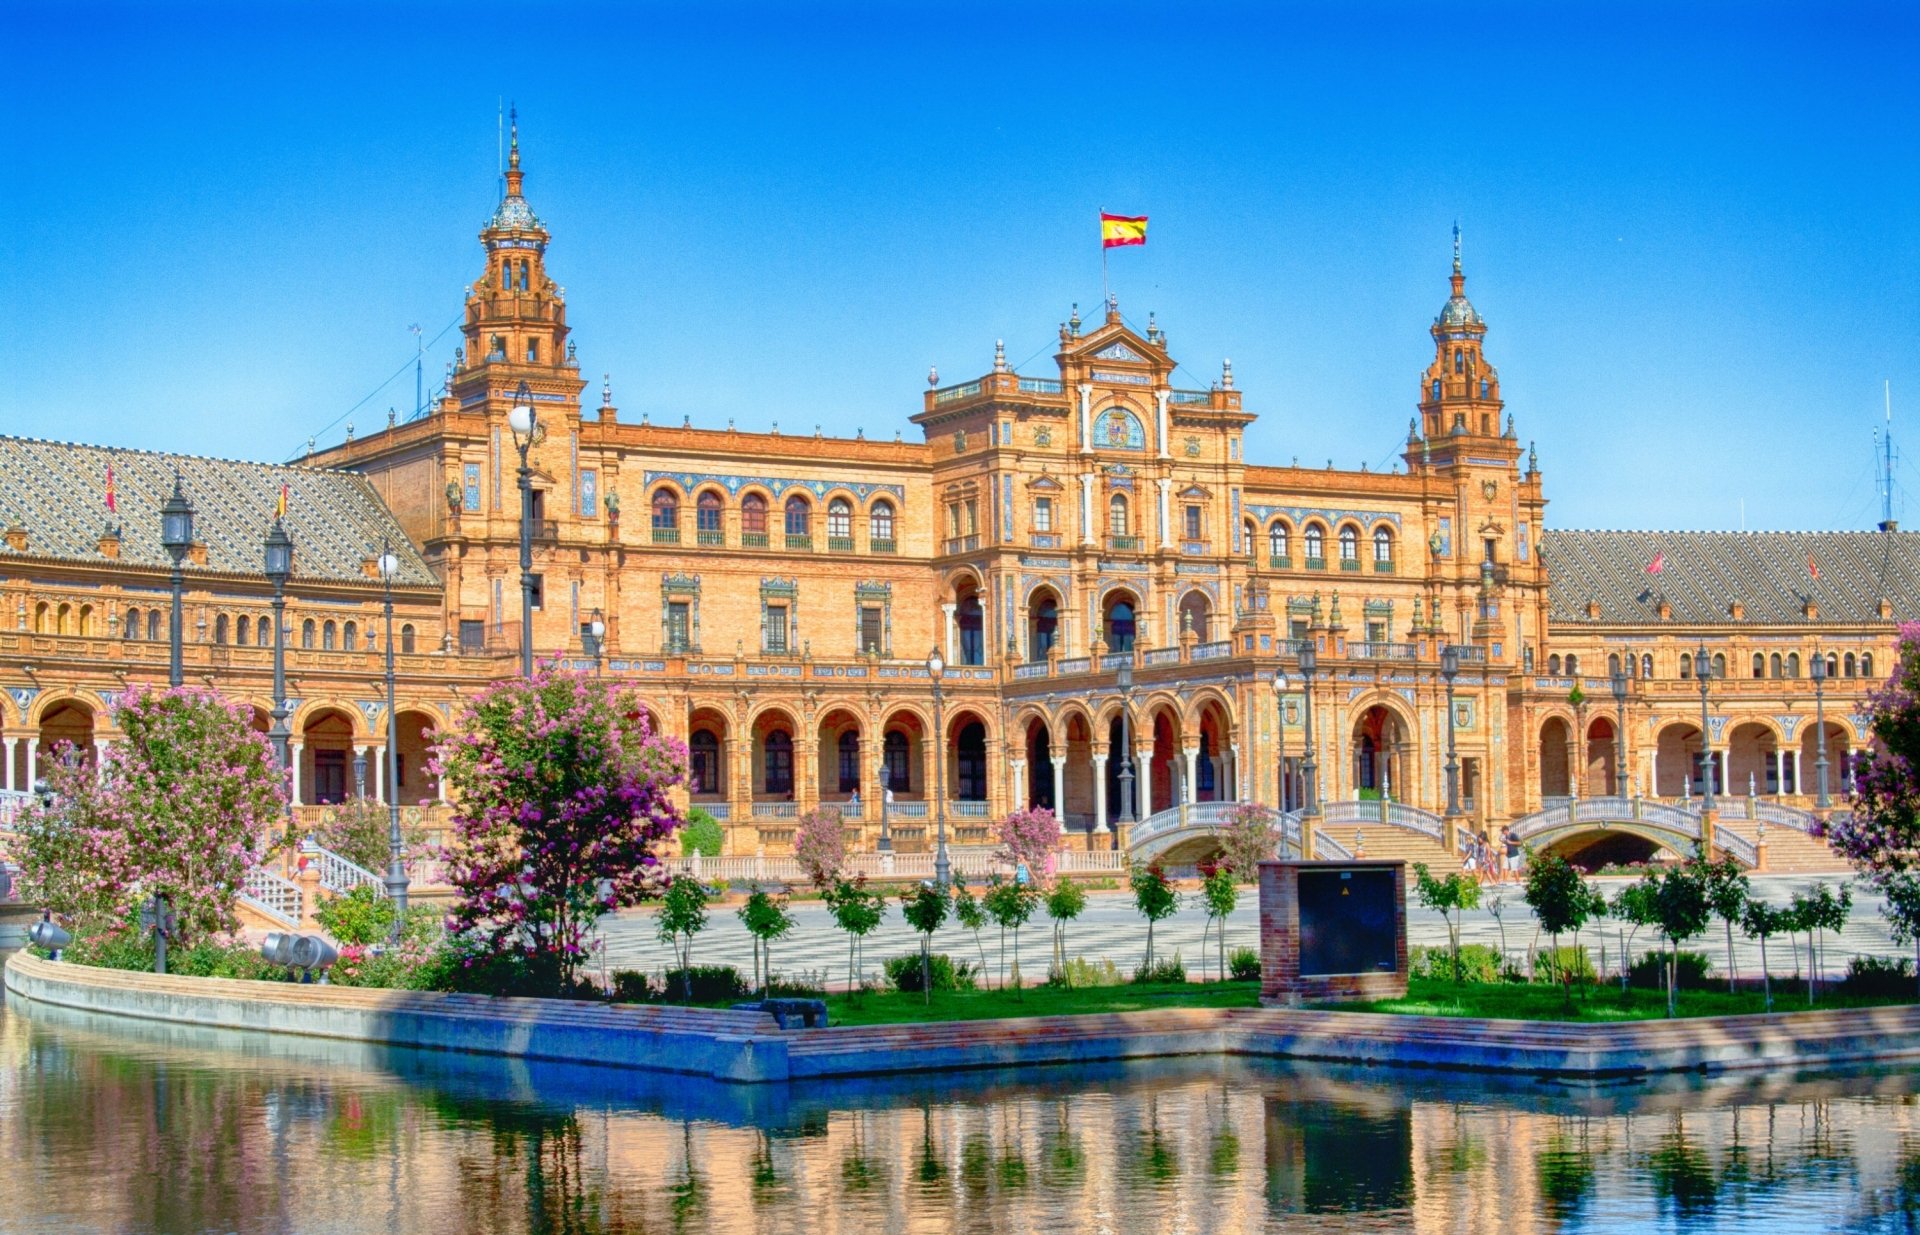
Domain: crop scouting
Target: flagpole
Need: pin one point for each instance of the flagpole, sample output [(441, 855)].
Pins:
[(1106, 286)]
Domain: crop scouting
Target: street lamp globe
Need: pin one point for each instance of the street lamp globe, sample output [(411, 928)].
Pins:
[(1280, 683), (521, 420), (936, 665), (389, 567)]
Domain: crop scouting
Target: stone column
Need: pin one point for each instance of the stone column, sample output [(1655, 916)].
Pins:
[(1192, 754), (33, 761), (6, 763), (1086, 417), (949, 641), (1020, 794), (1143, 788), (377, 773), (1086, 509), (1799, 786), (294, 750), (1100, 793), (1060, 784), (1238, 776), (1160, 398), (1166, 519)]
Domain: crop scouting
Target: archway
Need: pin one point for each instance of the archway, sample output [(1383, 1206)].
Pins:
[(1196, 614), (1162, 770), (1555, 780), (326, 756), (967, 758), (1381, 751), (416, 733), (1590, 851), (840, 756), (65, 727), (1043, 623), (707, 756), (902, 736), (1601, 772), (1076, 773), (775, 776), (1213, 770), (1752, 760), (1677, 761), (1838, 754), (969, 623), (1119, 622), (1040, 767)]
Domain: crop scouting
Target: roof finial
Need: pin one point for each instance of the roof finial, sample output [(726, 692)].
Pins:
[(606, 390), (1456, 246), (999, 355), (513, 145)]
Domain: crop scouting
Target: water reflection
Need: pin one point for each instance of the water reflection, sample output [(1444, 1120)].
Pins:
[(111, 1127)]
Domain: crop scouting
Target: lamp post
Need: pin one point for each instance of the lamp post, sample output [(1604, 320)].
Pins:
[(1450, 669), (1703, 669), (396, 849), (1619, 684), (279, 553), (1280, 685), (935, 668), (1309, 801), (524, 422), (591, 638), (1819, 667), (176, 533), (880, 796), (1124, 680)]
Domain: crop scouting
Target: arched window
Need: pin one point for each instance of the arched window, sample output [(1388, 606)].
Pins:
[(1483, 387), (42, 615), (778, 769), (849, 752), (704, 764), (1774, 668), (86, 620), (132, 629), (1686, 664), (220, 628), (1436, 388), (899, 762), (1459, 361), (1553, 665), (840, 522), (1833, 664), (63, 620), (753, 519), (350, 636), (1349, 544), (1248, 537), (1573, 666), (1382, 547), (306, 634), (1316, 545), (1613, 664), (666, 510), (1847, 665), (1646, 664), (799, 518), (153, 625), (329, 637), (1719, 669), (1277, 539), (406, 638), (1120, 626), (523, 275), (1793, 664), (706, 518), (1117, 515), (243, 631), (1759, 665), (880, 527), (1866, 664)]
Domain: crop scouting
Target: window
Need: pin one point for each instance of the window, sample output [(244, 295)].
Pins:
[(1848, 665), (774, 635), (1686, 665), (1193, 523), (473, 636), (1573, 666), (666, 510), (1553, 665), (153, 627), (1613, 664), (1316, 543), (1866, 664), (1793, 664), (1774, 666), (329, 636), (1045, 631), (899, 762), (1249, 537), (496, 348), (840, 522), (973, 517), (704, 749), (220, 633), (1382, 546), (539, 583), (132, 629), (1043, 514), (799, 517), (243, 631), (1277, 539), (1376, 632), (350, 637), (706, 518), (406, 638), (1349, 544), (1719, 666), (753, 519), (1759, 665), (1120, 627), (872, 626), (1117, 516), (849, 751), (679, 626), (953, 519), (533, 345), (779, 762), (880, 527), (1646, 664)]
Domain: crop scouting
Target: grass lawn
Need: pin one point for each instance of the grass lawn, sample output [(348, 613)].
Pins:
[(1539, 1002), (893, 1007)]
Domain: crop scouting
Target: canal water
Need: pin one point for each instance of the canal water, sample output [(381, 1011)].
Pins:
[(110, 1126)]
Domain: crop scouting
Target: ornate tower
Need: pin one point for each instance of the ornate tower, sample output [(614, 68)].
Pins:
[(1460, 391), (516, 316)]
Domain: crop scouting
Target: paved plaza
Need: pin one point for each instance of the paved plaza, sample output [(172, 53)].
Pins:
[(1112, 929)]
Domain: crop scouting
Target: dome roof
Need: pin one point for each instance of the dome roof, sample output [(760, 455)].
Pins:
[(1459, 311), (515, 215)]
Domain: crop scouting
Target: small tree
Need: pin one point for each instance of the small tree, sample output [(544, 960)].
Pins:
[(1221, 894), (857, 910), (1678, 901), (1453, 895), (1761, 921), (1250, 836), (971, 914), (1633, 905), (1496, 909), (1010, 904), (1881, 834), (360, 830), (820, 844), (925, 908), (1155, 899), (1031, 838), (1561, 901), (1727, 890), (766, 918), (1903, 910), (683, 914), (1064, 903), (701, 834), (1816, 913)]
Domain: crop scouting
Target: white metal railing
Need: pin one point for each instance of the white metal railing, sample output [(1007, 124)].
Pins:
[(1378, 650), (341, 875), (1785, 816), (907, 810), (1324, 846), (1738, 847), (968, 810), (12, 802), (1192, 814), (972, 861), (1382, 811), (719, 810), (277, 898), (1609, 810), (776, 810)]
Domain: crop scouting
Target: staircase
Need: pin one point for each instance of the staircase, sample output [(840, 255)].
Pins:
[(1791, 851), (1385, 841)]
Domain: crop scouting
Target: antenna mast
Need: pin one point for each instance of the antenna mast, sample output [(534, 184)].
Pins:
[(500, 149), (1887, 522)]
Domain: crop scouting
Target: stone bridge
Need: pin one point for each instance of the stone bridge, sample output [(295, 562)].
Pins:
[(1569, 827)]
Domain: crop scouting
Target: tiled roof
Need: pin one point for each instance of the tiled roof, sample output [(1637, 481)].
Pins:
[(1703, 573), (57, 491)]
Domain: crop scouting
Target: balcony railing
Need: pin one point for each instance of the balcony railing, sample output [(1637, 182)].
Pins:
[(839, 544), (776, 810), (1280, 561), (1039, 386), (1037, 669), (753, 540), (962, 544), (1383, 567), (799, 544), (881, 546), (710, 536), (1124, 544), (1379, 650), (967, 810), (1046, 540), (1349, 563), (1213, 651), (666, 536), (1162, 656), (1316, 563)]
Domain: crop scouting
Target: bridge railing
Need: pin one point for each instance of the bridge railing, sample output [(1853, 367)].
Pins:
[(1382, 811), (277, 898)]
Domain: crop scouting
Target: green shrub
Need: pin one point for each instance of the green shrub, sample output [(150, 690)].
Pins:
[(464, 964), (1082, 972), (212, 959), (1693, 969), (903, 973), (631, 986), (701, 834), (807, 984), (1879, 977), (1563, 964), (710, 983), (1162, 971), (362, 916), (1244, 965), (1479, 962)]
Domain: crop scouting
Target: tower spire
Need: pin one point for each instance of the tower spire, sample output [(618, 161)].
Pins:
[(1456, 246)]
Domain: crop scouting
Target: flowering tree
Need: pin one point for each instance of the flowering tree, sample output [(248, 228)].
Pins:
[(561, 800), (359, 830), (1881, 836), (183, 807), (1031, 837), (820, 844), (1251, 836)]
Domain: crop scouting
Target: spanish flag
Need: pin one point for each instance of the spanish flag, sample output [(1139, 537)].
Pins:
[(1119, 229), (280, 507)]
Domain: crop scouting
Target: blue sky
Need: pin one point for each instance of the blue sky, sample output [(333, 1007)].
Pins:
[(1695, 235)]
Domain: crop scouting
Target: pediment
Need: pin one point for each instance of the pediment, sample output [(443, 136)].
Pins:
[(1043, 481), (1118, 350)]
